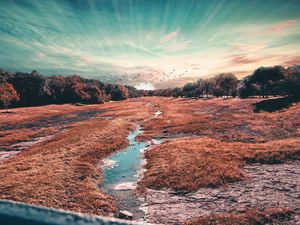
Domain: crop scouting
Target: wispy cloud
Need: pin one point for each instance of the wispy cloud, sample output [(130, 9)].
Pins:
[(249, 47), (169, 36), (178, 46), (243, 59), (279, 27), (292, 61)]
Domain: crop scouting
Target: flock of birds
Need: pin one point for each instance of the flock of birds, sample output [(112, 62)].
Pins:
[(156, 78)]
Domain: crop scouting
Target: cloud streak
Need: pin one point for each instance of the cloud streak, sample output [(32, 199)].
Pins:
[(243, 59), (280, 27), (249, 47), (169, 36)]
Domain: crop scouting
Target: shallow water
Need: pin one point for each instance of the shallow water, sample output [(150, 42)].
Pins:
[(121, 173)]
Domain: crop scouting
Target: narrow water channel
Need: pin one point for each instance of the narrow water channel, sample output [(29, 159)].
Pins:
[(121, 173)]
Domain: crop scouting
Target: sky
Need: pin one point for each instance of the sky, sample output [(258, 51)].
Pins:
[(148, 43)]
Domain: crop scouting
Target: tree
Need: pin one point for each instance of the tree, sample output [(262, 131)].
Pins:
[(266, 76), (7, 94), (96, 95), (120, 92), (189, 90), (200, 87), (225, 84), (57, 86), (291, 83), (76, 90), (31, 87), (246, 88), (176, 92), (133, 92), (207, 86)]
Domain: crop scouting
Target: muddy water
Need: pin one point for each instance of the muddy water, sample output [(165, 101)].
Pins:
[(121, 173)]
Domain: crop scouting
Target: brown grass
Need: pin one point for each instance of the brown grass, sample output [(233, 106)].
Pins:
[(191, 163), (230, 120), (250, 217), (63, 172), (27, 114), (229, 134)]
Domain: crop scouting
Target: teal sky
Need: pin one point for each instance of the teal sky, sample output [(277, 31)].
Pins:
[(148, 42)]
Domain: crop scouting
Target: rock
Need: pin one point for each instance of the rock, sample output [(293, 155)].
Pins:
[(125, 215)]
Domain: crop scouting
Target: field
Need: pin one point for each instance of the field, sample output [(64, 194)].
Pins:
[(221, 160)]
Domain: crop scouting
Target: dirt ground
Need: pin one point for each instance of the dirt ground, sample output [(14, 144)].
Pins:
[(208, 145)]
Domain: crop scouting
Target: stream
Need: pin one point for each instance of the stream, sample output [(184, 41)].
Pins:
[(123, 170), (121, 173)]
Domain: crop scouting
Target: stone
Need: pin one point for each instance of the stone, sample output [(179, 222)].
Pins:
[(125, 215)]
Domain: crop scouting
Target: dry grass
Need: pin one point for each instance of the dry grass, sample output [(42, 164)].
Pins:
[(24, 124), (229, 134), (27, 114), (227, 120), (250, 217), (10, 137), (191, 163), (63, 172)]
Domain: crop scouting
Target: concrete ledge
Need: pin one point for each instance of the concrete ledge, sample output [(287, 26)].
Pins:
[(17, 213)]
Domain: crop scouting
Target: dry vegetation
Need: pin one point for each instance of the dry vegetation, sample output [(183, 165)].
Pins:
[(228, 135), (24, 124), (63, 172), (209, 142), (223, 119), (191, 163), (251, 217), (213, 140)]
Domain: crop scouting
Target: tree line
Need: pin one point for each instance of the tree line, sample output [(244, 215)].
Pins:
[(264, 81), (31, 89)]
